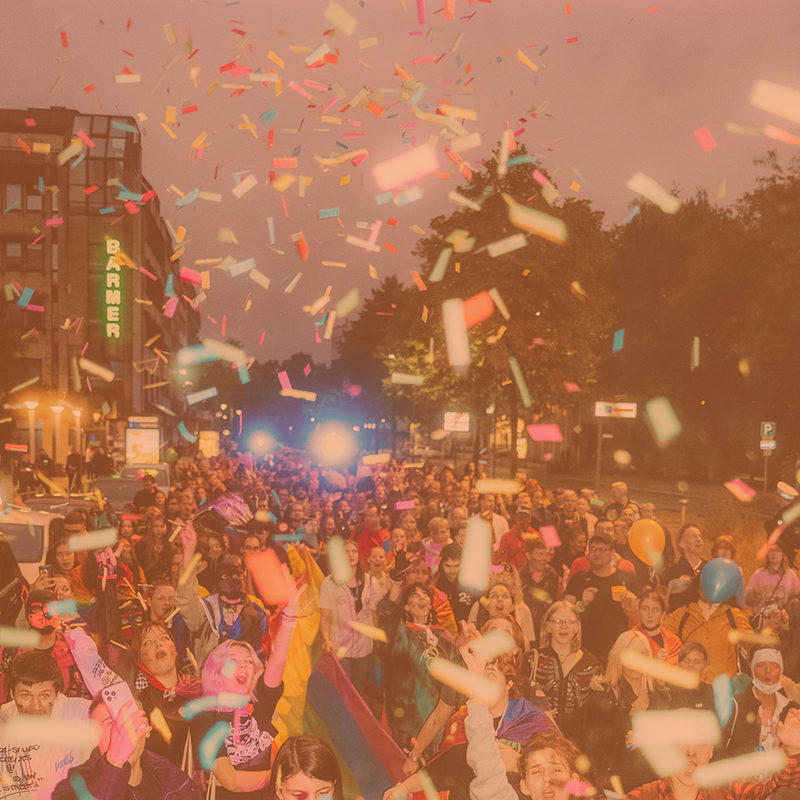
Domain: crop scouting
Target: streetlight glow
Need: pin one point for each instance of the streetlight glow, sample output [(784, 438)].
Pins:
[(31, 404)]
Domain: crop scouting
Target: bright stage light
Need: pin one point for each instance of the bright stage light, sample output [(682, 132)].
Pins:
[(332, 443), (260, 442)]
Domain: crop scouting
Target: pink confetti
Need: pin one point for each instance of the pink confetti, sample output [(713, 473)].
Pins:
[(406, 167), (224, 323), (261, 338), (328, 104), (421, 11), (403, 505), (307, 370), (550, 536), (496, 568), (34, 308), (539, 178), (425, 59), (31, 123), (740, 490), (131, 207), (359, 158), (191, 276), (87, 141), (172, 304), (85, 348), (571, 387), (283, 377), (299, 89), (55, 221), (545, 433), (705, 138)]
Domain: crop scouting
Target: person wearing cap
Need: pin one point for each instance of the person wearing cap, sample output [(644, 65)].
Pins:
[(760, 707), (512, 544), (786, 497)]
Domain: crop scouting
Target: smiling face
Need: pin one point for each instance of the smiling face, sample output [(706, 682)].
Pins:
[(158, 651), (628, 515), (239, 674), (546, 774), (692, 542)]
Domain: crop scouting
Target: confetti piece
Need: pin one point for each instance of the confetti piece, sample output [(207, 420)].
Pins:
[(299, 394), (59, 607), (47, 732), (723, 698), (370, 631), (493, 644), (661, 671), (572, 40), (406, 167), (545, 433), (721, 773), (772, 132), (347, 303), (498, 486), (478, 308), (507, 245), (782, 101), (170, 34), (498, 301), (455, 197), (133, 78), (474, 570), (272, 582), (660, 733), (647, 187), (734, 637), (259, 278), (212, 741), (203, 394), (526, 61), (290, 288), (186, 434), (550, 536), (106, 537), (340, 566), (740, 490), (245, 186), (663, 420), (376, 458), (242, 266), (407, 380), (17, 637), (456, 336), (439, 269), (522, 386), (371, 42), (619, 340), (465, 682), (705, 139)]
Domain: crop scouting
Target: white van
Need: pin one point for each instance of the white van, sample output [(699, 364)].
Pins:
[(28, 533)]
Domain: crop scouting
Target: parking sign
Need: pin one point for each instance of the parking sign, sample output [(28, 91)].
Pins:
[(767, 429)]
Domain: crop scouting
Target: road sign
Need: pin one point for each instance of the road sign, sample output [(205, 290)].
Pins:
[(767, 430), (623, 410), (768, 444)]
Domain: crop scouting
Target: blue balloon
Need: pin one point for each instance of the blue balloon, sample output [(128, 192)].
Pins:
[(720, 580)]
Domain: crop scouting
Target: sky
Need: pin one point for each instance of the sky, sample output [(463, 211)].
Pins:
[(620, 87)]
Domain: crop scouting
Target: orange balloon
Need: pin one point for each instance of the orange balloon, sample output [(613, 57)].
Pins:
[(646, 539)]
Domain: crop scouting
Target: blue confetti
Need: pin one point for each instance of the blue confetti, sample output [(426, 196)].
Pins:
[(269, 116), (211, 743), (723, 698), (619, 340)]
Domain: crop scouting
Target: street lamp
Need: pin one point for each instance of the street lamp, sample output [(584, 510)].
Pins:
[(77, 413), (57, 431), (32, 404)]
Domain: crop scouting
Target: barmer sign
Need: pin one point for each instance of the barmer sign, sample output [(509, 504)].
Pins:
[(113, 290)]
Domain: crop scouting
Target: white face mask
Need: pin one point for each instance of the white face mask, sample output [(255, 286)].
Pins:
[(766, 655)]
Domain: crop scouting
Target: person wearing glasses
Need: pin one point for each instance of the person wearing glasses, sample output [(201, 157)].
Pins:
[(563, 668), (598, 594)]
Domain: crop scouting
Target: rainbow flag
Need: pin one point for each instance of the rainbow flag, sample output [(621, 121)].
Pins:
[(370, 760)]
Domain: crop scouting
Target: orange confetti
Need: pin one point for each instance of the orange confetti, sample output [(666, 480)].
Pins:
[(569, 10), (391, 248), (780, 135), (89, 88), (418, 280)]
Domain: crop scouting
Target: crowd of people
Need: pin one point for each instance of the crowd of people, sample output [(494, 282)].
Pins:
[(205, 597)]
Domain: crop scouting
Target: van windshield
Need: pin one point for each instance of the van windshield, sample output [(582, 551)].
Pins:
[(27, 541)]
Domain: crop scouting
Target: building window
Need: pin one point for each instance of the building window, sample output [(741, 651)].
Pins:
[(116, 148), (100, 125), (13, 194), (54, 262), (33, 200), (12, 256), (34, 258)]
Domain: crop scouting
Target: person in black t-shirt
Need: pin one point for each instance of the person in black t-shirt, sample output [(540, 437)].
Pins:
[(461, 598), (598, 594)]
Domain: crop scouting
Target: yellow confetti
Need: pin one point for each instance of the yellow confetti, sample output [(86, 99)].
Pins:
[(276, 59), (526, 61), (160, 724), (168, 130), (344, 180), (370, 631)]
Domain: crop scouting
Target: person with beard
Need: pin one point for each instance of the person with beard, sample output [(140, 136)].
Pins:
[(51, 643), (33, 767), (227, 614), (163, 683), (241, 766)]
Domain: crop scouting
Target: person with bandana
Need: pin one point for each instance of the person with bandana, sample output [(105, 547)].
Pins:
[(760, 707), (411, 693), (51, 643), (227, 614)]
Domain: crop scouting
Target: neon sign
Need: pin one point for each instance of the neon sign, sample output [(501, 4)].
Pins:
[(113, 292)]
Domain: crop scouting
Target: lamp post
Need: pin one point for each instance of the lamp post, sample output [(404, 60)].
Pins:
[(57, 432), (77, 413), (32, 404)]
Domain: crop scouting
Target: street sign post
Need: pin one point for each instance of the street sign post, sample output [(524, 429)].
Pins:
[(614, 411), (768, 444)]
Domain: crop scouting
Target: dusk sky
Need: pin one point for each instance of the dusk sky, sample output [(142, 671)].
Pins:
[(626, 96)]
